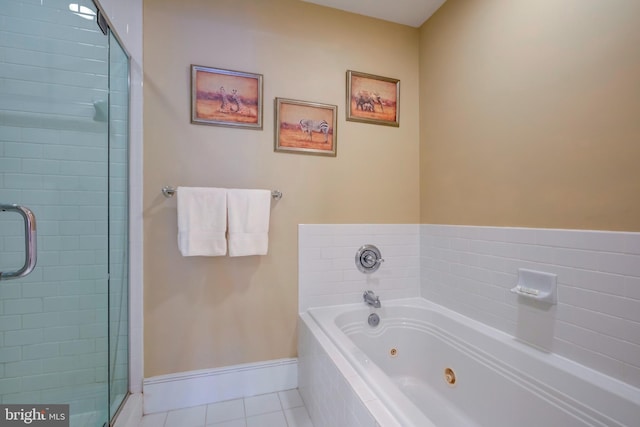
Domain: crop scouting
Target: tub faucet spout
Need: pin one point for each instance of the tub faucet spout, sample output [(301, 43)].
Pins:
[(371, 299)]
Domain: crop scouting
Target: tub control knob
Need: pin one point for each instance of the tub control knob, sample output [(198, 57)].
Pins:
[(368, 259)]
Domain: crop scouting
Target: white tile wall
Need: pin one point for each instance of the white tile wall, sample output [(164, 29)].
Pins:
[(471, 270), (597, 319), (327, 270)]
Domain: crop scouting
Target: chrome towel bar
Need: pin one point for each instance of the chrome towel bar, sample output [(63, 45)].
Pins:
[(169, 191)]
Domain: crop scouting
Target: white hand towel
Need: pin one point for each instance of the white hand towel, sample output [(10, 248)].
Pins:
[(202, 221), (248, 212)]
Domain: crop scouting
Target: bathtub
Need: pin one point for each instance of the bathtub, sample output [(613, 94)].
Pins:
[(424, 365)]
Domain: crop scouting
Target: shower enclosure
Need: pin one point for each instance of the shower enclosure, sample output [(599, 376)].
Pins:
[(64, 96)]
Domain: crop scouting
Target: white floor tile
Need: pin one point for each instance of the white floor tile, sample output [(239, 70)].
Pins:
[(298, 417), (273, 419), (233, 423), (225, 411), (262, 404), (188, 417), (154, 420), (290, 399), (257, 411)]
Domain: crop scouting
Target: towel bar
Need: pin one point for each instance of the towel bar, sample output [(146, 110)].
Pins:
[(169, 191)]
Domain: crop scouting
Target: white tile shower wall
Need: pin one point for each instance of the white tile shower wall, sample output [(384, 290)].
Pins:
[(326, 264), (597, 319), (41, 60), (53, 160)]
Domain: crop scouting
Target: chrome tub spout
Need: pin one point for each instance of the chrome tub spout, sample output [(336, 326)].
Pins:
[(371, 299)]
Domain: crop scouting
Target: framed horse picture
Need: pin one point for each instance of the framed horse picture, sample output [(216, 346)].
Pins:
[(226, 98), (373, 99), (305, 127)]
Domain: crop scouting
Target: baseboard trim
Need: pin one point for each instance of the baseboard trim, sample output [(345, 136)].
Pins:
[(193, 388)]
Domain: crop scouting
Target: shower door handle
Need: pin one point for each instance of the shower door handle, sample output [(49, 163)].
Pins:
[(30, 235)]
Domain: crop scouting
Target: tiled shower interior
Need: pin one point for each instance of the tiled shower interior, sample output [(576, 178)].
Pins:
[(68, 163)]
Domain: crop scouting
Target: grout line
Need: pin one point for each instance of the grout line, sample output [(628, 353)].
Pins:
[(245, 417)]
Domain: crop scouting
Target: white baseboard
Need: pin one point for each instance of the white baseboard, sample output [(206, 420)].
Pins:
[(193, 388)]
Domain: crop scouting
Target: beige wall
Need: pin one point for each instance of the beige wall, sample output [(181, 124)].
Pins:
[(530, 114), (209, 312)]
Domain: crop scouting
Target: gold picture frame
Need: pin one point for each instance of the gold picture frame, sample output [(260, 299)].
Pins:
[(226, 98), (305, 127), (373, 99)]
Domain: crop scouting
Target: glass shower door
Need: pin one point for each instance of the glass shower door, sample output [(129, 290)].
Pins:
[(62, 333)]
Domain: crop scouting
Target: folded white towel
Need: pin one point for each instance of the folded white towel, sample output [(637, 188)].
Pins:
[(248, 212), (202, 221)]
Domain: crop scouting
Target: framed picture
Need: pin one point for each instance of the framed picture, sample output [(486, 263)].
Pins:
[(226, 98), (305, 127), (373, 99)]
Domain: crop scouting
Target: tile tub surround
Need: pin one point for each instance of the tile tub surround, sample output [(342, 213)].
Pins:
[(326, 263), (597, 319), (471, 269), (333, 392)]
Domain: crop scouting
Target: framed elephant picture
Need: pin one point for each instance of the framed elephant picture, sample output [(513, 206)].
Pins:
[(373, 99)]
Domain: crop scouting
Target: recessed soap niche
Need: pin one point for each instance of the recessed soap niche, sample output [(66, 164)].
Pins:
[(537, 285)]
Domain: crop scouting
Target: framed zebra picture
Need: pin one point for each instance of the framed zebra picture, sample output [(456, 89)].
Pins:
[(305, 127), (226, 98), (373, 99)]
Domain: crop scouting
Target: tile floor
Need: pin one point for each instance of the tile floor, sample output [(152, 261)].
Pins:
[(281, 409)]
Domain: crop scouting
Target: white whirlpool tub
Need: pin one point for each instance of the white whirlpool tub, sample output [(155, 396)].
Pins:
[(400, 373)]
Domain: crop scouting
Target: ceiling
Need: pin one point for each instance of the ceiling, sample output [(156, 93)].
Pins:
[(407, 12)]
